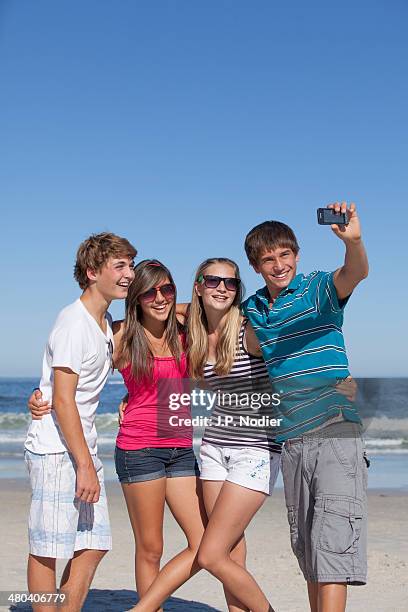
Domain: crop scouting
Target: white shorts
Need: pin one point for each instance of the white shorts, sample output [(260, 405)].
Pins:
[(59, 524), (253, 468)]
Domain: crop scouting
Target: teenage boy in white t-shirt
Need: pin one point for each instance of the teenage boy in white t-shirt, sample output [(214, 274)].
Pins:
[(68, 515)]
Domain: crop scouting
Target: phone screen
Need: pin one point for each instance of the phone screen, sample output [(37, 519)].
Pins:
[(327, 216)]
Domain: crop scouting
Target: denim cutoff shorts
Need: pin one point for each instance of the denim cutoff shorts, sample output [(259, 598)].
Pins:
[(152, 463)]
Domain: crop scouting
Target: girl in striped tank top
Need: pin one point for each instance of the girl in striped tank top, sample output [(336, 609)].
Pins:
[(239, 420), (239, 458)]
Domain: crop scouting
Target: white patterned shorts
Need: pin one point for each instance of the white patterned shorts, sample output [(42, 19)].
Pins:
[(253, 468), (59, 524)]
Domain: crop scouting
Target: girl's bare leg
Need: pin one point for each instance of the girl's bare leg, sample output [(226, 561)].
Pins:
[(145, 504), (332, 596), (184, 498), (232, 512), (211, 491), (313, 592)]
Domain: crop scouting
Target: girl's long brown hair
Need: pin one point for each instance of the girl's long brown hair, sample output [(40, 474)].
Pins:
[(135, 346), (197, 328)]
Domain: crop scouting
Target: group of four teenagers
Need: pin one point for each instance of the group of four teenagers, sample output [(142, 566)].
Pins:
[(209, 339)]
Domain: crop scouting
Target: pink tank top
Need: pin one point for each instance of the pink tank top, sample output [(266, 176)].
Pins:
[(149, 422)]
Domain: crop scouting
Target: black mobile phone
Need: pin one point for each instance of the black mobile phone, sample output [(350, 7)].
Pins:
[(327, 216)]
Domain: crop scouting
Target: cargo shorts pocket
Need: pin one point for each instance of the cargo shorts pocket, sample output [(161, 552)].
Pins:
[(345, 450), (340, 525), (295, 538)]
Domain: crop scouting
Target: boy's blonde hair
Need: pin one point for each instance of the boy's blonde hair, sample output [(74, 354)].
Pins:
[(94, 252)]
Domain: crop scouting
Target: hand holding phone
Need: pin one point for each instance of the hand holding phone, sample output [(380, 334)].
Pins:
[(343, 220)]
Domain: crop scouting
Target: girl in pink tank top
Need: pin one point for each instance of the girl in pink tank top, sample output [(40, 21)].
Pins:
[(154, 459), (141, 426)]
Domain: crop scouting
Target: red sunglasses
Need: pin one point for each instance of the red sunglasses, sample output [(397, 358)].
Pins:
[(168, 291)]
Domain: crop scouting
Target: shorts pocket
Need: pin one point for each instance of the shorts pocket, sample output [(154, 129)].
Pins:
[(345, 450), (209, 452), (365, 467), (341, 525), (295, 539), (131, 455), (136, 460)]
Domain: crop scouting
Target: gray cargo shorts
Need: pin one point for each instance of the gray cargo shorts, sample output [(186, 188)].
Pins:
[(325, 479)]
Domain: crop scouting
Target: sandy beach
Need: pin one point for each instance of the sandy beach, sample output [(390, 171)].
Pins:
[(269, 557)]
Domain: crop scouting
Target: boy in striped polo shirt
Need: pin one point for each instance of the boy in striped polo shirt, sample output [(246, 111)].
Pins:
[(298, 321)]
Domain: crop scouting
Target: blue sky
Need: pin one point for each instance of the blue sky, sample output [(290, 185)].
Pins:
[(183, 124)]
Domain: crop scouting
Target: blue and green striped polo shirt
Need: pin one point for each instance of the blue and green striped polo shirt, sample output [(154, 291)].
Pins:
[(303, 347)]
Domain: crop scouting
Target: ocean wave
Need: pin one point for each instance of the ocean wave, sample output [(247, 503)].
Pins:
[(384, 426), (383, 435), (383, 442), (106, 441), (376, 426), (18, 454), (387, 451), (13, 437), (107, 422), (14, 420)]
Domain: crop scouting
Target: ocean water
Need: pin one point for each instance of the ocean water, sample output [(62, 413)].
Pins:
[(382, 402)]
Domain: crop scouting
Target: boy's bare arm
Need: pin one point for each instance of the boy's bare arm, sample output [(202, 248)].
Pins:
[(118, 328), (182, 311), (251, 342), (182, 308), (355, 267), (63, 401)]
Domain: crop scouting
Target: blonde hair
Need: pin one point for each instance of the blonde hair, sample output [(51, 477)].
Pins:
[(95, 251), (197, 328)]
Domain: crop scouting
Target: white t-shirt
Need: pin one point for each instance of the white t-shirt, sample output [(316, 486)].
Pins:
[(77, 342)]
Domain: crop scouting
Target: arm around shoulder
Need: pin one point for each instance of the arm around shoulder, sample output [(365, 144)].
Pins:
[(251, 342), (118, 328), (182, 309), (182, 312)]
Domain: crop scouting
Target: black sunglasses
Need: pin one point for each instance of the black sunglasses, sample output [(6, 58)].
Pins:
[(211, 282)]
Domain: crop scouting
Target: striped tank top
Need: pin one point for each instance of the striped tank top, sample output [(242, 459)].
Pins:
[(241, 417)]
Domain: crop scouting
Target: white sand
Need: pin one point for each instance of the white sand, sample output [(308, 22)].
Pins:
[(269, 557)]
